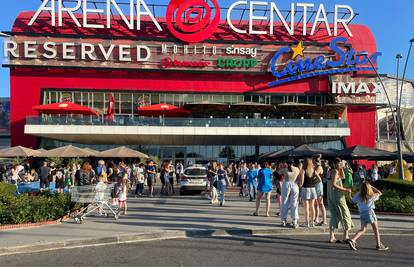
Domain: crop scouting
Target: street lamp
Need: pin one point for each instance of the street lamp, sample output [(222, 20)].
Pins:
[(398, 125), (366, 55), (405, 70)]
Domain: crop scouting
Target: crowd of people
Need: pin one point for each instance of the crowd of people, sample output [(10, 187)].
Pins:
[(310, 181), (307, 181)]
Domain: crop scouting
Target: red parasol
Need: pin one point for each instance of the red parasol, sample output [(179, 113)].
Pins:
[(166, 110), (65, 108)]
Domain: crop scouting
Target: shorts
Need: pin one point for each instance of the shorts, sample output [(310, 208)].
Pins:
[(368, 217), (308, 193), (60, 184), (150, 181), (319, 189), (278, 187), (44, 183)]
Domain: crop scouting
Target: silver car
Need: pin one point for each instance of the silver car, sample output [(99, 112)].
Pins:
[(194, 179)]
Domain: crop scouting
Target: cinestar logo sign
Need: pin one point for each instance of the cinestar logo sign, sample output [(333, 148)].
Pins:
[(196, 20), (301, 67)]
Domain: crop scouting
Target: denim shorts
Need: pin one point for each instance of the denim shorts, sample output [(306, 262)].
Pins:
[(368, 217), (319, 189), (308, 193)]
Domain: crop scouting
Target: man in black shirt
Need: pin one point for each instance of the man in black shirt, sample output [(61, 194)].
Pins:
[(44, 175)]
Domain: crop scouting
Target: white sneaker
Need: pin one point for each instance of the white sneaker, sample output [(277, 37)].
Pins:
[(283, 224)]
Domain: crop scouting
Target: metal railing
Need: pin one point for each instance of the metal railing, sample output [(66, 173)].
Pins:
[(184, 122)]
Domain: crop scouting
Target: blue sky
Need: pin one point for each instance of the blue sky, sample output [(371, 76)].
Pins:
[(392, 23)]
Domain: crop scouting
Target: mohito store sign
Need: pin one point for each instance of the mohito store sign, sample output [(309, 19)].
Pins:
[(194, 21)]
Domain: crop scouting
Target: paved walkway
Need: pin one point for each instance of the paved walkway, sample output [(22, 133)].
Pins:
[(176, 214)]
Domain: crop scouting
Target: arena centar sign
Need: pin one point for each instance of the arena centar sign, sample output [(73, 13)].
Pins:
[(196, 20)]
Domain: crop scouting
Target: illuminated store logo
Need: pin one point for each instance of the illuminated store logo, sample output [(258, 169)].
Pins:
[(353, 88), (192, 21), (236, 63), (345, 61)]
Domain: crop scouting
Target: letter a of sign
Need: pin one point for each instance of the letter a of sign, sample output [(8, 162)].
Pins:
[(44, 7)]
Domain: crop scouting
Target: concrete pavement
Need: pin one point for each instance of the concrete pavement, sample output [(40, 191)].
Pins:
[(287, 251), (172, 217)]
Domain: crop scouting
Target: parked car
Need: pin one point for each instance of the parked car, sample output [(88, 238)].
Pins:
[(194, 179)]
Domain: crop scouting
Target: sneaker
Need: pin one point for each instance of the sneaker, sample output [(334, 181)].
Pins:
[(221, 204), (304, 225), (312, 225), (351, 244), (295, 226), (283, 224), (382, 247)]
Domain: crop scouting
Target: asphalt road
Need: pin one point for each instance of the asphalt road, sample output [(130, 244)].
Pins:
[(286, 251)]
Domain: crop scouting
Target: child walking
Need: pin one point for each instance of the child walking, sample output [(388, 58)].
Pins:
[(123, 193), (365, 200)]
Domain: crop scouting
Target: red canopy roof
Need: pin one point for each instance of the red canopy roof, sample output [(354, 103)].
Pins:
[(166, 110), (65, 108)]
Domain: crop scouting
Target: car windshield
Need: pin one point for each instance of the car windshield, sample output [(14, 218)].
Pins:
[(195, 172)]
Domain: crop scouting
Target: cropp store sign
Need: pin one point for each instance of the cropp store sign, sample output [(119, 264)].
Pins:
[(194, 21)]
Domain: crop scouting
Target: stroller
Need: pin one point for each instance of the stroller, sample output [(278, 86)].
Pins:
[(98, 199)]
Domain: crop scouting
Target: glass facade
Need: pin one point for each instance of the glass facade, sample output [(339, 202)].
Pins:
[(127, 102)]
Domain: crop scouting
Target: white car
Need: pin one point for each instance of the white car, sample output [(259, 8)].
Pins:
[(193, 179)]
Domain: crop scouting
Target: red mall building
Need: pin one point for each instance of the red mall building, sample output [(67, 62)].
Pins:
[(225, 81)]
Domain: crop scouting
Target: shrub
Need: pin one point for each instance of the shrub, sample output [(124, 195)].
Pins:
[(7, 189), (402, 187), (391, 201), (31, 209)]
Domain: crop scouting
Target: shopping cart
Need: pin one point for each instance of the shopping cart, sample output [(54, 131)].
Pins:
[(98, 197)]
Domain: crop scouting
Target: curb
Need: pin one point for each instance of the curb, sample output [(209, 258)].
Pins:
[(163, 235), (11, 227)]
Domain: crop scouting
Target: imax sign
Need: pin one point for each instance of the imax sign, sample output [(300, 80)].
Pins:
[(341, 88)]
